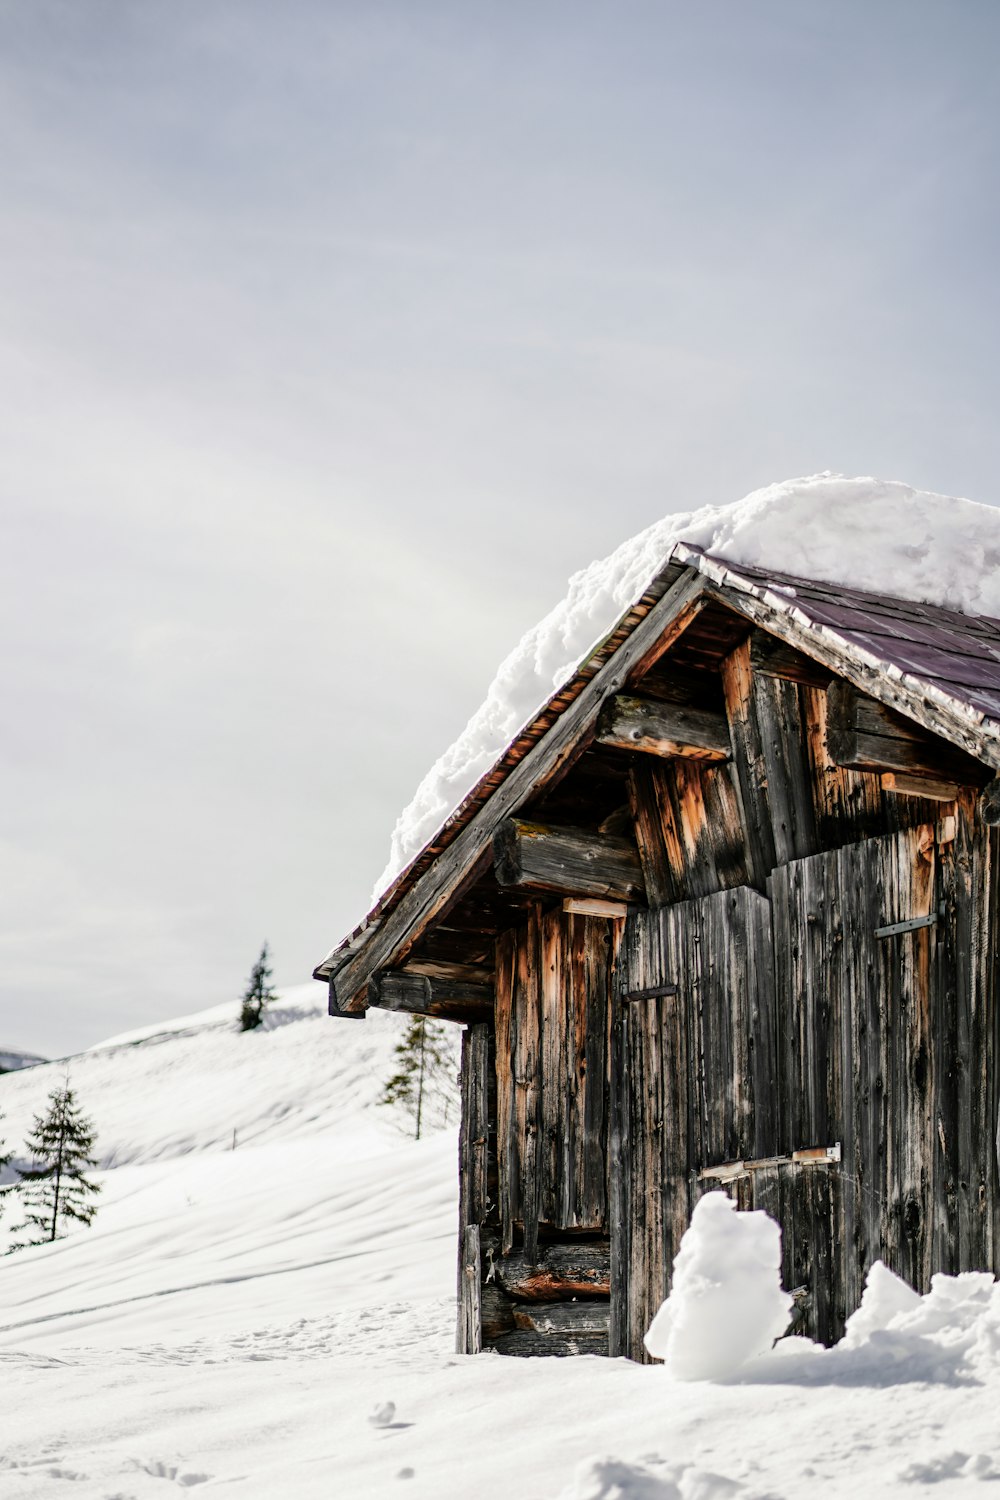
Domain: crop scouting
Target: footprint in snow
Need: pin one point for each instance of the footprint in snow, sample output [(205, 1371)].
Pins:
[(160, 1470)]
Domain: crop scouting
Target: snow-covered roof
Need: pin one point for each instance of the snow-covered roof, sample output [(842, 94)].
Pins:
[(883, 545)]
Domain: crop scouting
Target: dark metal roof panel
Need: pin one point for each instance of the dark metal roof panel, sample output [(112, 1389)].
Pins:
[(959, 654)]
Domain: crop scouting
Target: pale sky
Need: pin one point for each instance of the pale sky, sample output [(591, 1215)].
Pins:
[(334, 336)]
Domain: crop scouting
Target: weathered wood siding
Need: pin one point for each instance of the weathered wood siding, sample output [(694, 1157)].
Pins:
[(693, 1081), (553, 988), (800, 1022), (477, 1179)]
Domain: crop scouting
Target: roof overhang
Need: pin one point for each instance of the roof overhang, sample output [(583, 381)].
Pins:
[(563, 729)]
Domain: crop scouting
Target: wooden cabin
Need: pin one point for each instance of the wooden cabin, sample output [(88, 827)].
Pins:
[(724, 916)]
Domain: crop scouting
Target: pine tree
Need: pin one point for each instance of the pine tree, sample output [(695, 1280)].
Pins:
[(56, 1188), (258, 994), (424, 1080)]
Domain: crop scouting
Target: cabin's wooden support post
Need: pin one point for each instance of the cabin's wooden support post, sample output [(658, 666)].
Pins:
[(470, 1315), (567, 860), (476, 1180)]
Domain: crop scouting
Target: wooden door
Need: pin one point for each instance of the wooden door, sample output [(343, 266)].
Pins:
[(694, 1058)]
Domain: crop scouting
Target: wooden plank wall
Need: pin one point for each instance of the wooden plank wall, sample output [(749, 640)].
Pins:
[(553, 1021), (883, 1044), (693, 1080), (888, 1047), (823, 1034)]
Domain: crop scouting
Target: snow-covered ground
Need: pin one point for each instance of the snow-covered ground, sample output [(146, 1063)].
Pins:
[(263, 1307)]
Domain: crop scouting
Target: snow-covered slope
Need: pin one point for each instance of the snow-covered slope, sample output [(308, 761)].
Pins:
[(874, 534), (275, 1318), (12, 1060), (228, 1157)]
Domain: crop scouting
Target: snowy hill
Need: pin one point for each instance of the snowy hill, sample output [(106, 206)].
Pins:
[(275, 1318)]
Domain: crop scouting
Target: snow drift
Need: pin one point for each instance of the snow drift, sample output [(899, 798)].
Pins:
[(878, 535)]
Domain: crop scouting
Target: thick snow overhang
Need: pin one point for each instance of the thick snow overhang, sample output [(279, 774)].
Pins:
[(935, 665)]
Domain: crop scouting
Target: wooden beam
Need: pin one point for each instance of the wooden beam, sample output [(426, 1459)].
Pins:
[(569, 736), (419, 995), (658, 728), (919, 786), (594, 906), (440, 968), (867, 735), (989, 803), (571, 860), (524, 1344), (589, 1316), (561, 1271)]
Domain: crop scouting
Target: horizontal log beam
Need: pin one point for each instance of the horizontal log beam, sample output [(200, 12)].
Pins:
[(560, 1271), (657, 728), (594, 906), (522, 1343), (989, 802), (419, 995), (930, 787), (439, 968), (865, 734), (569, 736), (568, 860), (590, 1316)]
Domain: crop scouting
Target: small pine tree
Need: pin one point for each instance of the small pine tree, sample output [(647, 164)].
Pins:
[(424, 1080), (56, 1188), (258, 994)]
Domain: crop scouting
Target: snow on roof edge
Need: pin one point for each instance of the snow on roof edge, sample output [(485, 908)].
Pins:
[(878, 536)]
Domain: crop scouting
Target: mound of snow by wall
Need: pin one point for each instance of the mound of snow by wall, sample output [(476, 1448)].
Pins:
[(726, 1305), (726, 1314), (872, 534)]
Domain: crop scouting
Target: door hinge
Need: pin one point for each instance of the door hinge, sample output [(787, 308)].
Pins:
[(910, 925), (657, 992)]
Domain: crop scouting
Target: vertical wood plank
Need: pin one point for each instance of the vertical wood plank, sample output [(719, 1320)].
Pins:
[(686, 1072), (470, 1318), (508, 1140), (748, 760)]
